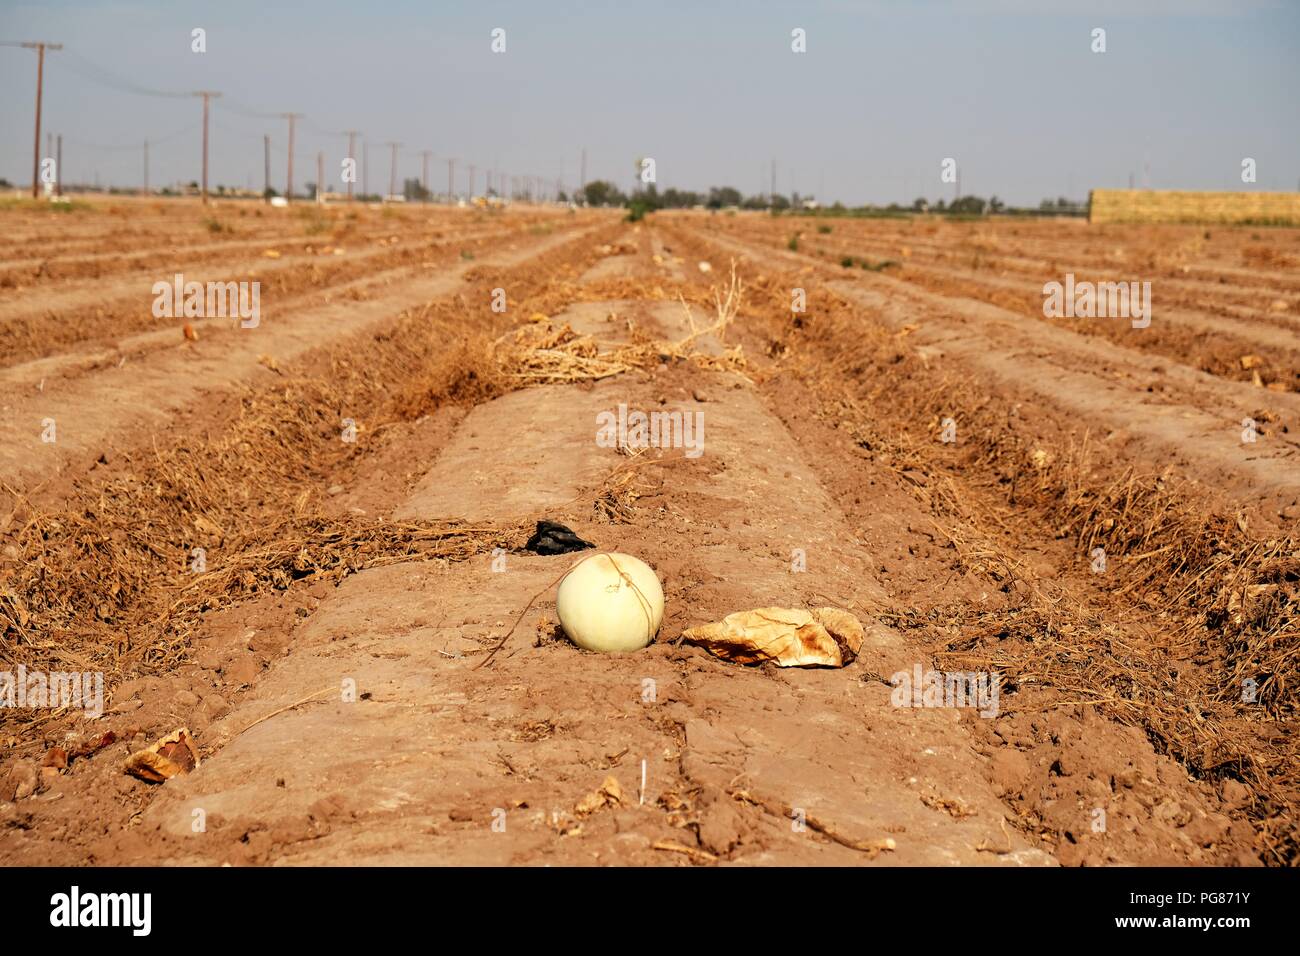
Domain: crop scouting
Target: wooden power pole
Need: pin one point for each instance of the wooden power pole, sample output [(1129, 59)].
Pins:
[(352, 155), (40, 47), (392, 172), (288, 188), (207, 95)]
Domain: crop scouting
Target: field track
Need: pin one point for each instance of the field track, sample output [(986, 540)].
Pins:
[(378, 561)]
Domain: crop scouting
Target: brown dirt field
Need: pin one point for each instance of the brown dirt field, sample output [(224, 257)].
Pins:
[(394, 563)]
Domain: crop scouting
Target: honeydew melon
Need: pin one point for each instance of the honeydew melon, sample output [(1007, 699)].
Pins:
[(612, 603)]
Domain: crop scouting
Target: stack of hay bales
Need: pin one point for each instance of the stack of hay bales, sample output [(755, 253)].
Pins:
[(1152, 205)]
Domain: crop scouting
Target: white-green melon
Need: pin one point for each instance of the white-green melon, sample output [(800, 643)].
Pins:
[(611, 603)]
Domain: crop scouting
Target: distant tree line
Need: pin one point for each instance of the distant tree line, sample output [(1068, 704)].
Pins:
[(603, 193)]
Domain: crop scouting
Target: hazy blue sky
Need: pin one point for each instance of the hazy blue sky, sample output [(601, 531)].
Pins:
[(711, 90)]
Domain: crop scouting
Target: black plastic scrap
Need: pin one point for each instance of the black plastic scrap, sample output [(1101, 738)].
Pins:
[(552, 538)]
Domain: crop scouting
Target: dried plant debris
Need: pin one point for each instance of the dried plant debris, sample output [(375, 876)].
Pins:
[(791, 637), (608, 794), (169, 757)]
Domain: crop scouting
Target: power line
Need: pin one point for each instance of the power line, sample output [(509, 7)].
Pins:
[(135, 145), (234, 106), (80, 65), (109, 79)]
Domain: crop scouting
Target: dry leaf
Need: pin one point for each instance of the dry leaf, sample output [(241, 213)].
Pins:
[(609, 794), (85, 749), (175, 754), (792, 637)]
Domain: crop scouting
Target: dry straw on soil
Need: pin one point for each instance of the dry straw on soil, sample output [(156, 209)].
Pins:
[(1190, 591), (543, 353), (104, 582)]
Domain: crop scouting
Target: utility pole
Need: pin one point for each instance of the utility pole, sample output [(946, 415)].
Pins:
[(582, 176), (146, 168), (426, 153), (471, 180), (392, 170), (320, 178), (288, 188), (266, 168), (365, 168), (352, 155), (58, 166), (771, 196), (40, 47), (207, 95), (451, 180)]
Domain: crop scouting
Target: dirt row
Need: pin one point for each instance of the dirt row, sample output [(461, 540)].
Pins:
[(437, 750), (391, 564), (93, 394), (45, 323), (1045, 470), (1173, 411), (226, 234), (1211, 323), (91, 231), (239, 471)]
